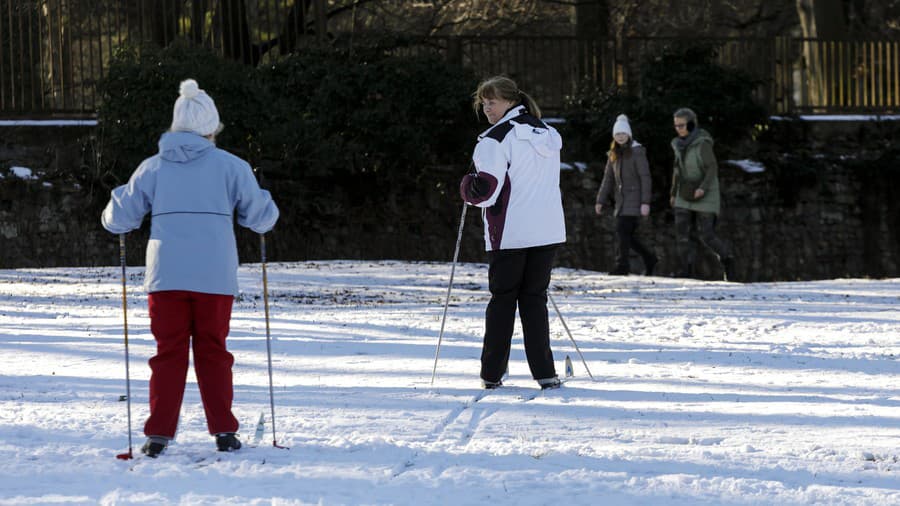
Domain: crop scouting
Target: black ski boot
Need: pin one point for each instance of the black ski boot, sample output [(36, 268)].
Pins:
[(728, 268), (227, 442), (549, 383), (154, 446), (620, 270), (686, 272), (490, 385), (649, 265)]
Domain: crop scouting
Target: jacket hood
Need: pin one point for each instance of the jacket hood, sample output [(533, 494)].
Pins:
[(545, 141), (183, 146)]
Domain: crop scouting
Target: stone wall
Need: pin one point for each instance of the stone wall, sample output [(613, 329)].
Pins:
[(845, 225), (823, 211), (824, 208), (51, 220)]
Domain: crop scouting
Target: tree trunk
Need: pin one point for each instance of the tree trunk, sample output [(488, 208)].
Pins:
[(198, 20), (591, 30), (321, 20), (164, 21), (294, 27), (592, 19), (56, 54), (236, 44), (822, 20)]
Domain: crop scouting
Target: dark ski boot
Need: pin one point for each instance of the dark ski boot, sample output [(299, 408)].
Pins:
[(549, 383), (227, 442), (490, 385), (154, 446)]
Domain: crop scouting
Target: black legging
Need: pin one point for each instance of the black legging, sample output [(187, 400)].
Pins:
[(518, 277), (626, 226), (705, 233)]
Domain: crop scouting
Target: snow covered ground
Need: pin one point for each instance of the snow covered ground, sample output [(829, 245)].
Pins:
[(704, 393)]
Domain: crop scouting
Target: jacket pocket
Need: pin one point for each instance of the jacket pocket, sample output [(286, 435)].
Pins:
[(686, 190)]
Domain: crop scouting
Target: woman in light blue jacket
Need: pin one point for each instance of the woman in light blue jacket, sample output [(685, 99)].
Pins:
[(193, 191)]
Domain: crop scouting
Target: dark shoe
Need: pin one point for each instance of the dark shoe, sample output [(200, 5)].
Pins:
[(649, 265), (621, 270), (154, 446), (728, 267), (227, 442), (549, 383), (687, 272), (490, 385)]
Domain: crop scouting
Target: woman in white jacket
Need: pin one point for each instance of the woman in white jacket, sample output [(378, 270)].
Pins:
[(516, 183)]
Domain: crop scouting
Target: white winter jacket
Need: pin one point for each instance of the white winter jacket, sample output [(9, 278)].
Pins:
[(517, 183)]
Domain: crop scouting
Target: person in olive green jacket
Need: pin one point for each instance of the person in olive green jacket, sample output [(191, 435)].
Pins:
[(626, 180), (695, 194)]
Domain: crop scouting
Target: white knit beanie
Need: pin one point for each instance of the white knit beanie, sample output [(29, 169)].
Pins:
[(622, 126), (194, 110)]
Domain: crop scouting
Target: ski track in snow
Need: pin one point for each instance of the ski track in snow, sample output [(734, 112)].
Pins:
[(705, 393)]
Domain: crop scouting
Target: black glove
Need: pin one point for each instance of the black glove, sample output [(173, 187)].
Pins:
[(478, 187)]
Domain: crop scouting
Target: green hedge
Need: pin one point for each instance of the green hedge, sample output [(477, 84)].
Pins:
[(366, 126)]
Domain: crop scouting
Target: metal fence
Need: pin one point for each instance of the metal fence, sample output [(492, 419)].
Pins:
[(53, 52), (552, 69), (843, 75), (793, 75)]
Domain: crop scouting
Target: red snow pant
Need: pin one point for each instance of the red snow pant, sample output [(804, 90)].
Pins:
[(176, 316)]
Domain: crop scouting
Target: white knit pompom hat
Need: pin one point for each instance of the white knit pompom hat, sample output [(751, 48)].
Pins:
[(622, 126), (194, 110)]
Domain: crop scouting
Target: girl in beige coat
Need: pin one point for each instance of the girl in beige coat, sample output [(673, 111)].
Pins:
[(626, 180)]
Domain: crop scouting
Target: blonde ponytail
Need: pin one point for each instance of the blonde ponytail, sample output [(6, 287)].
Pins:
[(530, 104)]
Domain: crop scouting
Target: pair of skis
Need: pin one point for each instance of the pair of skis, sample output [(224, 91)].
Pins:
[(205, 459)]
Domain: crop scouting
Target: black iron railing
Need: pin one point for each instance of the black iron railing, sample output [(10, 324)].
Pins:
[(53, 52)]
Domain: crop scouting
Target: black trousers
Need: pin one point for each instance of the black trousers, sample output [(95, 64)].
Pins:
[(626, 226), (518, 278), (701, 227)]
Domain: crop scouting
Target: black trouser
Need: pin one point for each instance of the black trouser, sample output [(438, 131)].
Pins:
[(518, 277), (705, 233), (626, 226)]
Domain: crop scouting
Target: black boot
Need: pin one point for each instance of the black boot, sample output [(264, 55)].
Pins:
[(728, 267), (620, 270), (491, 385), (154, 446), (686, 272), (227, 442), (549, 383), (649, 265)]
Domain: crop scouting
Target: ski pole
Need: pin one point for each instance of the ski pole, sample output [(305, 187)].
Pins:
[(262, 249), (570, 334), (462, 222), (129, 455)]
